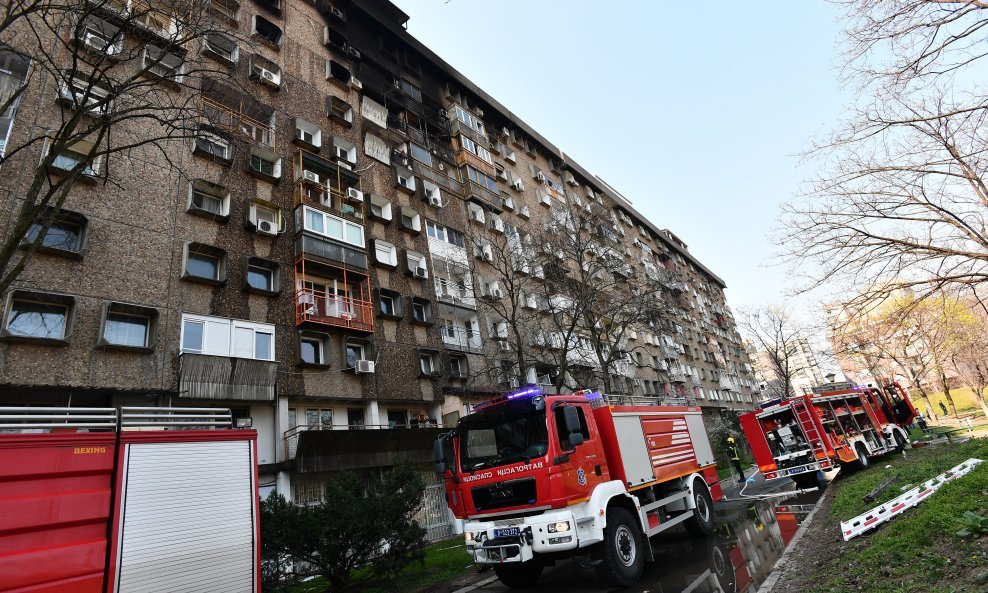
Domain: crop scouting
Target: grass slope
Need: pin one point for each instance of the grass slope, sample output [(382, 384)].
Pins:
[(917, 551)]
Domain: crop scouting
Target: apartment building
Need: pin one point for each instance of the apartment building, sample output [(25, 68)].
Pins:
[(310, 258)]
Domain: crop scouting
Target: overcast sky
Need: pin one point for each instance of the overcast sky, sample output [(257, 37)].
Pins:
[(696, 112)]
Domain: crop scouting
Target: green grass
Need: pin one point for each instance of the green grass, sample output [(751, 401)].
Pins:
[(443, 562), (963, 398), (917, 551)]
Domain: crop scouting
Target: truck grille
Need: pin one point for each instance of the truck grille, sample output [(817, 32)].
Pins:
[(504, 494)]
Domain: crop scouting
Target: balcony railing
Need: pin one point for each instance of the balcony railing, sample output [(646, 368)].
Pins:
[(677, 376), (484, 194), (316, 248), (459, 338), (291, 435), (465, 157), (235, 120), (326, 308), (439, 179)]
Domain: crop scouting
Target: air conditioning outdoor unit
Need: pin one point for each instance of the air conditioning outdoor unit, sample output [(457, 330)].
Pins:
[(496, 292), (525, 212), (503, 346), (266, 74), (266, 226), (364, 366), (517, 185), (436, 200), (540, 176), (354, 194), (310, 176), (421, 273)]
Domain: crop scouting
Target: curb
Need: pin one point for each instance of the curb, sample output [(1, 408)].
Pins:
[(773, 577), (476, 585)]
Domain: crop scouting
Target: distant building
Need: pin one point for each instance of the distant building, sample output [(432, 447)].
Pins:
[(805, 371)]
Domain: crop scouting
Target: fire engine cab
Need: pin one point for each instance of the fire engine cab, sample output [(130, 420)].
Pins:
[(541, 477)]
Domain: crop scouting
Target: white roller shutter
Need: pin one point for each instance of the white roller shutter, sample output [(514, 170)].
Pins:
[(188, 518)]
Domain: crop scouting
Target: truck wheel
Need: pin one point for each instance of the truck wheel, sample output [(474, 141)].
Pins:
[(702, 521), (863, 461), (621, 552), (519, 575), (900, 442)]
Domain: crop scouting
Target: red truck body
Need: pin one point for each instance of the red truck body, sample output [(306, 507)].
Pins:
[(152, 509), (838, 423)]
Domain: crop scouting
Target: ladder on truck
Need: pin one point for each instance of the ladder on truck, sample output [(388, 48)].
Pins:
[(805, 419)]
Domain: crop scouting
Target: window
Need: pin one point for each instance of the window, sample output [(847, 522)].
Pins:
[(100, 36), (410, 220), (420, 154), (13, 73), (389, 304), (214, 146), (76, 157), (225, 8), (355, 418), (38, 316), (476, 149), (267, 30), (411, 90), (468, 118), (437, 231), (265, 71), (561, 431), (65, 234), (457, 367), (219, 336), (339, 110), (265, 163), (205, 263), (163, 64), (354, 352), (421, 311), (416, 264), (404, 180), (397, 418), (427, 362), (344, 151), (318, 418), (330, 226), (265, 219), (221, 47), (380, 208), (385, 253), (308, 133), (129, 326), (312, 349), (208, 199), (263, 276), (481, 179), (337, 72)]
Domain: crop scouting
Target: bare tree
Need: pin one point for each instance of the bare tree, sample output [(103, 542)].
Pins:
[(775, 335), (901, 202), (132, 84)]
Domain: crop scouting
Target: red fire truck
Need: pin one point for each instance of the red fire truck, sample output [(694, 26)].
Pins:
[(540, 477), (837, 424), (93, 500)]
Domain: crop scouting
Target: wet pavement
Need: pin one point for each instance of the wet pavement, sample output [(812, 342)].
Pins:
[(751, 535)]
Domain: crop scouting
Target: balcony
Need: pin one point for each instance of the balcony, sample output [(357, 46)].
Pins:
[(465, 157), (327, 185), (440, 179), (315, 248), (461, 339), (225, 109), (327, 308), (492, 199), (677, 376), (449, 291), (202, 376)]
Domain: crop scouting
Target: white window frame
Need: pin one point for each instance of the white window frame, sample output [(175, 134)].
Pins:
[(214, 140), (306, 210), (216, 192), (430, 358), (91, 171), (215, 328), (310, 128), (73, 90)]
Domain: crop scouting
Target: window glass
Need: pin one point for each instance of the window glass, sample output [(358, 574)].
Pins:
[(354, 234), (203, 266), (262, 346), (354, 352), (421, 154), (425, 362), (260, 278), (418, 311), (387, 305), (314, 221), (311, 350), (561, 431), (60, 235), (37, 320), (126, 330), (192, 333), (334, 227)]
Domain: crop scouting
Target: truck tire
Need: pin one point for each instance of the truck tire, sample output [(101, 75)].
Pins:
[(900, 442), (622, 551), (519, 575), (863, 461), (702, 521)]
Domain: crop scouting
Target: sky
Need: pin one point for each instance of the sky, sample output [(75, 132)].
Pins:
[(696, 112)]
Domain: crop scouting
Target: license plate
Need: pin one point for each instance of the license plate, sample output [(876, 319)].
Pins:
[(507, 532)]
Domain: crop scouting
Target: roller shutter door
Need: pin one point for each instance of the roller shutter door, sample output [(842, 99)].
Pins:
[(188, 518)]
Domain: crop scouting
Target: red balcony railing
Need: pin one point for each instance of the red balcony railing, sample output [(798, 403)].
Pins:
[(316, 306)]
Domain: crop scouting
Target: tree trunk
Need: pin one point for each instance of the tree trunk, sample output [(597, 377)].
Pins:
[(979, 395), (947, 394)]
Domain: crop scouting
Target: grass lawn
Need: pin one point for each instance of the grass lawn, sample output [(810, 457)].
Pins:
[(963, 398), (444, 561), (919, 550)]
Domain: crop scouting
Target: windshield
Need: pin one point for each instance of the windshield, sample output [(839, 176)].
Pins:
[(501, 435)]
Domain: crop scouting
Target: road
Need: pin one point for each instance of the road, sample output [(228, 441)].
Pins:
[(751, 535)]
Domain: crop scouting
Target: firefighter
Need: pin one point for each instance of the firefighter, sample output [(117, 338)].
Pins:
[(735, 457)]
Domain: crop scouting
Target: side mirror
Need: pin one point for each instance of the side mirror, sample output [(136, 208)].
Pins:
[(438, 455), (571, 416)]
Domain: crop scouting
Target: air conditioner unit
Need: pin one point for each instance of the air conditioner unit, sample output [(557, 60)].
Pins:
[(354, 52), (540, 176), (364, 366), (478, 111), (403, 181), (310, 176), (441, 166), (546, 200), (267, 227), (421, 273), (517, 185), (503, 346), (436, 200), (356, 84), (354, 194), (496, 292), (265, 74)]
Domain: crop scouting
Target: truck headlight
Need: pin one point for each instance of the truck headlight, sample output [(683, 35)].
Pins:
[(559, 527), (468, 536)]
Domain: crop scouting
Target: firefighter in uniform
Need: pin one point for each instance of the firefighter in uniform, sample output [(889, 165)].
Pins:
[(735, 456)]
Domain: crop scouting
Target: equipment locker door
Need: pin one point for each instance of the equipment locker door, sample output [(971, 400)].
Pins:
[(187, 511)]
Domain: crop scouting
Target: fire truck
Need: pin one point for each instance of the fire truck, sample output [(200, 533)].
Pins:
[(100, 500), (838, 424), (542, 477)]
